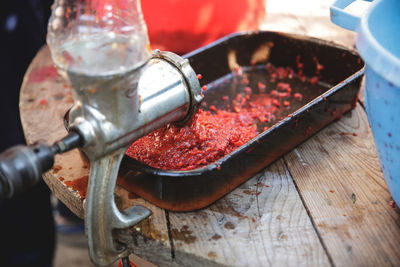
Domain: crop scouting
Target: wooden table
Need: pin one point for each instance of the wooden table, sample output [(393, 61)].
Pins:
[(327, 203)]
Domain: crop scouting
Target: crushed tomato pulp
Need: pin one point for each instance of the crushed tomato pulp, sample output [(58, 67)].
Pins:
[(262, 95)]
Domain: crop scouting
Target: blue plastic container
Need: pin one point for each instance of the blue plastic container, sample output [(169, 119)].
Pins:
[(378, 42)]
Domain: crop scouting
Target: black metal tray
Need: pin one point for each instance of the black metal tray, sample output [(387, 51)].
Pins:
[(194, 189)]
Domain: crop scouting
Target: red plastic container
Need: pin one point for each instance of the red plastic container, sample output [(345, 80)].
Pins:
[(181, 26), (184, 25)]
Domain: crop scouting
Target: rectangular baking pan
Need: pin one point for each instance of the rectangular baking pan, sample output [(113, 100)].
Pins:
[(195, 189)]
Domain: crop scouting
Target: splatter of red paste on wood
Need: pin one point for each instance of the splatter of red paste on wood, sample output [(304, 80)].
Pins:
[(56, 168), (80, 185), (42, 74)]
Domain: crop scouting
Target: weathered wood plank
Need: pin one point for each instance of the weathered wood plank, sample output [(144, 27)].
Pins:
[(340, 180), (44, 99), (261, 223)]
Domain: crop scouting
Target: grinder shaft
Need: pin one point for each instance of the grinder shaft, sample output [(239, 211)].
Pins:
[(22, 166)]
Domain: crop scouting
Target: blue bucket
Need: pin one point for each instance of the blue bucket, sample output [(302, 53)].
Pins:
[(378, 42)]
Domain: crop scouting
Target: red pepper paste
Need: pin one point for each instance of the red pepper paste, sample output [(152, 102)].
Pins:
[(80, 185), (208, 137), (267, 94)]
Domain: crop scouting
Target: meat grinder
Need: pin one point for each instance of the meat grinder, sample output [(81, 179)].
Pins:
[(122, 90)]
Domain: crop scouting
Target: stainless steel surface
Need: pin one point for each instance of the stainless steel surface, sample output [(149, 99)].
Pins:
[(188, 74)]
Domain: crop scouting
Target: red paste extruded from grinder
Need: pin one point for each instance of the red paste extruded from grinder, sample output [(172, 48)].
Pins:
[(216, 132), (210, 135)]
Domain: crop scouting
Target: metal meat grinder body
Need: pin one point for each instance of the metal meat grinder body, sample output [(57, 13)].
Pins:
[(121, 92), (111, 113)]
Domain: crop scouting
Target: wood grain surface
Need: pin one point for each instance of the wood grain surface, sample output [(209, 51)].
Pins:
[(261, 223), (340, 180), (323, 204)]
